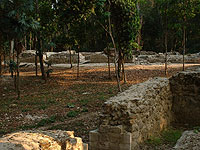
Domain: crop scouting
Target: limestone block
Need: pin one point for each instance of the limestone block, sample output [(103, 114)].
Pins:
[(93, 136), (126, 138), (41, 140), (124, 147)]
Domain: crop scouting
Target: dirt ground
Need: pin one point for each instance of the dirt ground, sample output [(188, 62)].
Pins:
[(66, 102)]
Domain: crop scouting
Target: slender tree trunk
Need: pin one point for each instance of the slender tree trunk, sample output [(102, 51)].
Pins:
[(30, 46), (36, 56), (78, 64), (184, 43), (4, 59), (0, 63), (119, 64), (18, 79), (166, 38), (39, 49), (139, 38), (115, 50), (123, 70), (109, 74), (36, 66), (25, 43), (166, 47), (70, 57), (1, 57), (41, 58)]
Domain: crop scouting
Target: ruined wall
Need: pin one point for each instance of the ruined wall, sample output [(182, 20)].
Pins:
[(185, 87), (143, 110)]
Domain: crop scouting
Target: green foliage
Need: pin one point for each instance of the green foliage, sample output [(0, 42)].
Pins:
[(72, 113), (84, 102), (154, 141), (16, 19), (169, 136), (70, 105)]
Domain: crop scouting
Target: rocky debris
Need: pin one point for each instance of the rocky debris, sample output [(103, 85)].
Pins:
[(139, 57), (42, 140), (28, 56), (30, 118), (189, 140), (172, 57), (147, 53), (99, 57), (64, 57)]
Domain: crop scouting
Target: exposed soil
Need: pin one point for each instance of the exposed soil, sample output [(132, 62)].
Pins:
[(66, 102)]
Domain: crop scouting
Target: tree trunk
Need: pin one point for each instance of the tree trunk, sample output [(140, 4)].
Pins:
[(17, 79), (166, 47), (78, 64), (166, 38), (4, 59), (184, 43), (25, 44), (30, 46), (41, 58), (115, 52), (70, 57), (139, 38), (36, 66), (123, 70), (109, 74), (0, 63)]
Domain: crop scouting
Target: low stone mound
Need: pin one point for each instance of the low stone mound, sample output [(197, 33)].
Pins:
[(42, 140), (99, 57), (64, 57), (188, 140), (28, 56)]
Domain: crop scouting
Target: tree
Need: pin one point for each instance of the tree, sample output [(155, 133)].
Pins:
[(15, 23), (181, 13)]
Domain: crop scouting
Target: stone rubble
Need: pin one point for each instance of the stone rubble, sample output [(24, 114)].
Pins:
[(190, 140), (42, 140), (142, 57)]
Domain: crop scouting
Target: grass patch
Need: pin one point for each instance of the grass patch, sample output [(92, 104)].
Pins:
[(169, 136), (84, 102), (154, 141), (72, 114), (47, 121), (70, 105)]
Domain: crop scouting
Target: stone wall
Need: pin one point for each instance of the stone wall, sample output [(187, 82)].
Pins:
[(110, 138), (185, 87), (143, 110), (52, 57), (42, 140)]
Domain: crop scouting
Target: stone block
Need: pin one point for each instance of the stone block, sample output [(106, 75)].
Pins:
[(93, 146), (113, 146), (85, 146), (93, 136), (116, 129), (124, 146), (104, 129), (115, 138), (126, 138)]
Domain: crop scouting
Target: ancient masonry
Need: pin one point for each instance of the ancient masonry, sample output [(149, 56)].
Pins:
[(146, 109)]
